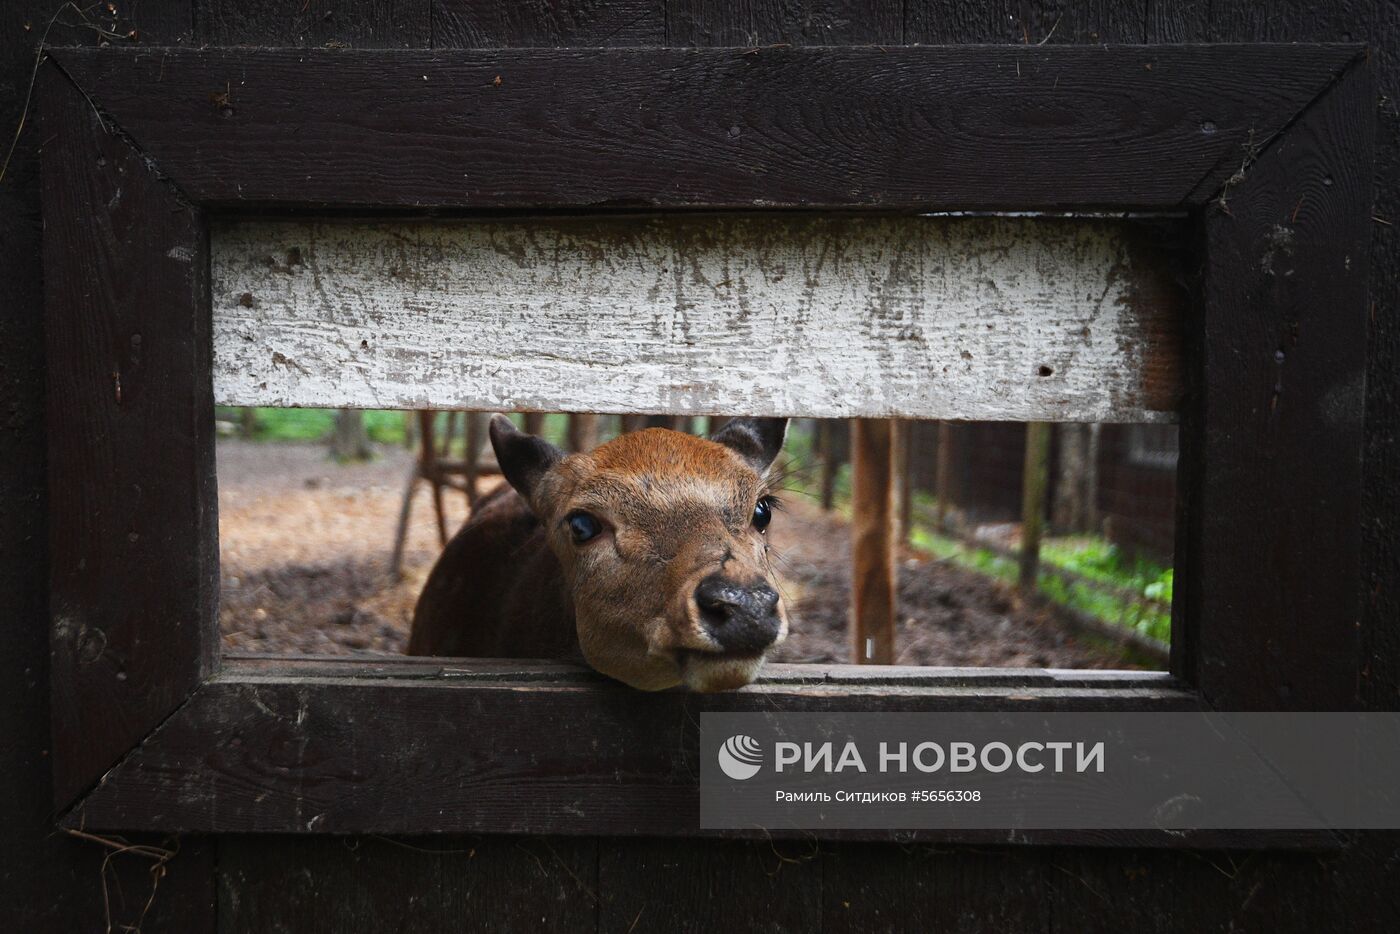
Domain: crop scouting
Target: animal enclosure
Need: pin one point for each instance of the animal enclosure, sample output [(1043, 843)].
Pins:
[(971, 318), (1098, 335)]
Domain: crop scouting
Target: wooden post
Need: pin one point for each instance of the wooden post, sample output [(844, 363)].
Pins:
[(427, 466), (1034, 482), (903, 430), (872, 530), (471, 454), (826, 441), (534, 423), (1091, 480), (943, 474), (583, 431)]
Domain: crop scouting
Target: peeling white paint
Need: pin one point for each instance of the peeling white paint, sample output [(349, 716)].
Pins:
[(974, 318)]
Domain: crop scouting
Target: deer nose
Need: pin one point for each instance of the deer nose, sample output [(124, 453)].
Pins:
[(739, 618)]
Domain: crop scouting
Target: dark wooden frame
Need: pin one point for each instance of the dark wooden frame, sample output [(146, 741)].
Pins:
[(1267, 149)]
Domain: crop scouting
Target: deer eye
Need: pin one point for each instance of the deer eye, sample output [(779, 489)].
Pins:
[(763, 513), (584, 527)]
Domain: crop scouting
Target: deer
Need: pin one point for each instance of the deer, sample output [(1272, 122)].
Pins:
[(647, 558)]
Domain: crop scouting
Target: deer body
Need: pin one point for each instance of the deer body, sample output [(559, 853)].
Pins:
[(646, 558)]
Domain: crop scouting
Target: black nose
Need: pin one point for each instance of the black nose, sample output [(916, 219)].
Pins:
[(739, 618)]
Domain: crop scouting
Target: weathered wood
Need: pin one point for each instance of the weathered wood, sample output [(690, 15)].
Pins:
[(755, 23), (1035, 477), (872, 542), (367, 24), (304, 747), (657, 887), (869, 887), (1009, 318), (134, 565), (913, 128), (472, 24), (378, 884), (1277, 495)]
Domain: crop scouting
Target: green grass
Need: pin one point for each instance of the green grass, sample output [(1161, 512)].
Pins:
[(384, 426), (1145, 618), (1101, 560), (1092, 557)]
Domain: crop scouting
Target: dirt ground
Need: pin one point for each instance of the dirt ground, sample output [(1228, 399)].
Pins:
[(306, 547)]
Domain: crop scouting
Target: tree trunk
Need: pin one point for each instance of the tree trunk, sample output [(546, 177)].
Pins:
[(248, 423), (583, 432), (349, 441), (1071, 500), (831, 461), (903, 439), (943, 474), (1037, 472)]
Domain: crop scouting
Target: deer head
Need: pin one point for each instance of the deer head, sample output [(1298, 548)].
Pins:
[(662, 540)]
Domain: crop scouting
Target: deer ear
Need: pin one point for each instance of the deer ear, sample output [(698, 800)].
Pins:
[(524, 458), (756, 440)]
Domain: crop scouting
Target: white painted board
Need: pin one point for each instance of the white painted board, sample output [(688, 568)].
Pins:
[(928, 317)]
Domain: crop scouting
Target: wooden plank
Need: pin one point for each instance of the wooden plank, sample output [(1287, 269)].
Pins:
[(1277, 545), (964, 890), (709, 885), (295, 752), (367, 24), (472, 24), (893, 128), (775, 675), (755, 23), (1009, 318), (377, 884), (1016, 22), (872, 542), (134, 568)]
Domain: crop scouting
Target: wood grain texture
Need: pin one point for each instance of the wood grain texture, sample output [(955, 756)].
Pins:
[(511, 747), (709, 885), (754, 23), (362, 24), (53, 882), (872, 624), (471, 24), (1278, 546), (1025, 22), (911, 128), (835, 317), (133, 526), (378, 884)]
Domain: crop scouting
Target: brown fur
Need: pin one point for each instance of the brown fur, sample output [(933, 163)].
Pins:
[(675, 508)]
